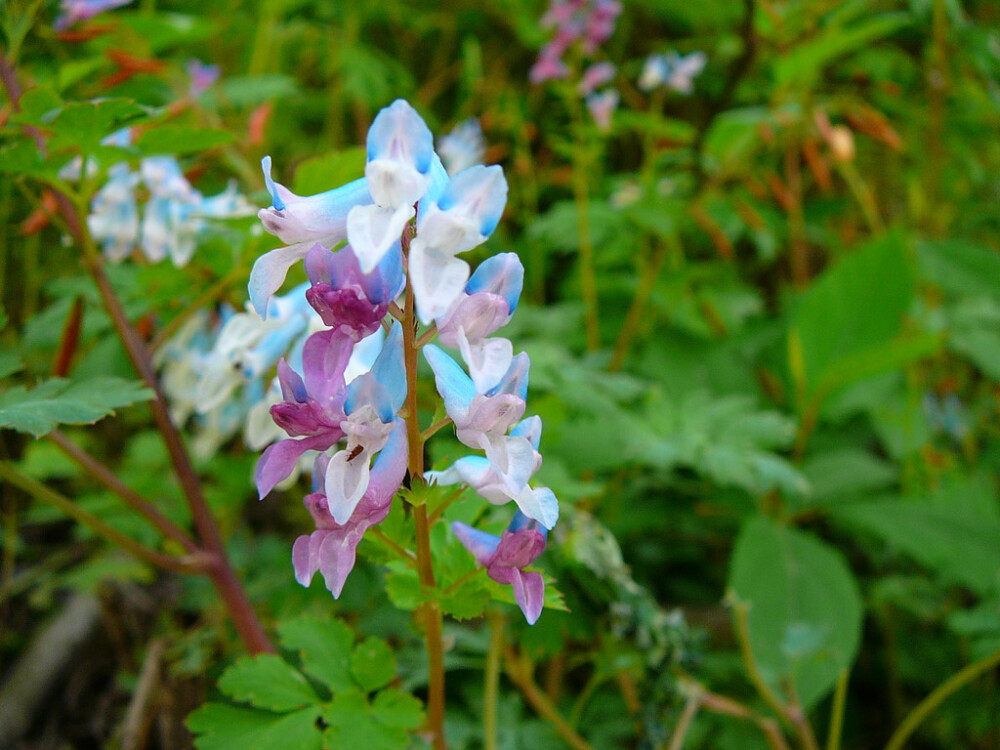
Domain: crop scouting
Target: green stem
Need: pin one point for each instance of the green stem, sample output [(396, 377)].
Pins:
[(929, 704), (519, 671), (425, 571), (742, 630), (647, 281), (189, 564), (837, 712), (581, 197), (491, 679)]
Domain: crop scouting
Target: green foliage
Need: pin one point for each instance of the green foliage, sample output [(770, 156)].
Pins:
[(804, 611), (60, 401), (335, 695)]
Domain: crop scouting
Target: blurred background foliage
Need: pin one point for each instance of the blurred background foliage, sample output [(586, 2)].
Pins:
[(773, 422)]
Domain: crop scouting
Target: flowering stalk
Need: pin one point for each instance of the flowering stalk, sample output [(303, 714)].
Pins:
[(425, 571)]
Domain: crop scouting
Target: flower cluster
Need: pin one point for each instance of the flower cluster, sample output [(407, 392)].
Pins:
[(174, 216), (402, 226), (588, 24), (216, 369), (672, 71)]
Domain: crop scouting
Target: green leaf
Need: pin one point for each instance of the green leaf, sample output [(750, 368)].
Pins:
[(331, 170), (395, 708), (804, 611), (9, 364), (223, 727), (960, 268), (853, 311), (959, 544), (373, 664), (975, 332), (802, 65), (267, 681), (351, 723), (403, 586), (39, 105), (58, 401), (325, 647), (726, 438), (177, 139), (841, 474), (249, 91), (83, 124)]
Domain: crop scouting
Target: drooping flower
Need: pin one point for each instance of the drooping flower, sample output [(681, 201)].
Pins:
[(506, 557), (301, 222), (114, 213), (462, 218), (602, 106), (348, 299), (370, 406), (504, 475), (331, 549)]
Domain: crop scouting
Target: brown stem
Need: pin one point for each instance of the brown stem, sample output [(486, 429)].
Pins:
[(647, 281), (425, 571), (519, 671), (221, 573), (190, 564), (133, 499)]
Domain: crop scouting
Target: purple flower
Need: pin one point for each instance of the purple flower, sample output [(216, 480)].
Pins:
[(595, 76), (505, 558), (346, 299), (332, 547), (312, 409), (602, 106), (74, 11), (301, 222), (202, 77)]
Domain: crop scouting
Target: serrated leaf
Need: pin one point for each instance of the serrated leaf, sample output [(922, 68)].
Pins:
[(804, 611), (177, 139), (322, 173), (351, 723), (403, 586), (223, 727), (58, 401), (267, 681), (467, 601), (373, 664), (325, 647), (395, 708), (84, 124)]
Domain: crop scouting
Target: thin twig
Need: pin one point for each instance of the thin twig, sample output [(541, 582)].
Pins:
[(684, 722), (196, 563), (519, 671), (837, 712), (937, 696), (135, 501), (491, 678)]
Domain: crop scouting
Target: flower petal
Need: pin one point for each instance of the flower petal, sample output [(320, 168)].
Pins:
[(269, 271), (372, 230), (481, 544), (529, 593), (454, 386), (438, 279)]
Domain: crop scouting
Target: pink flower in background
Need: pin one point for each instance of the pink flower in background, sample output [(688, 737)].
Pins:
[(202, 77), (587, 23), (74, 11)]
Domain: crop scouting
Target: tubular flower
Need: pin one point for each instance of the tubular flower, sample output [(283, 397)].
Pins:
[(506, 557), (331, 549), (405, 223)]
